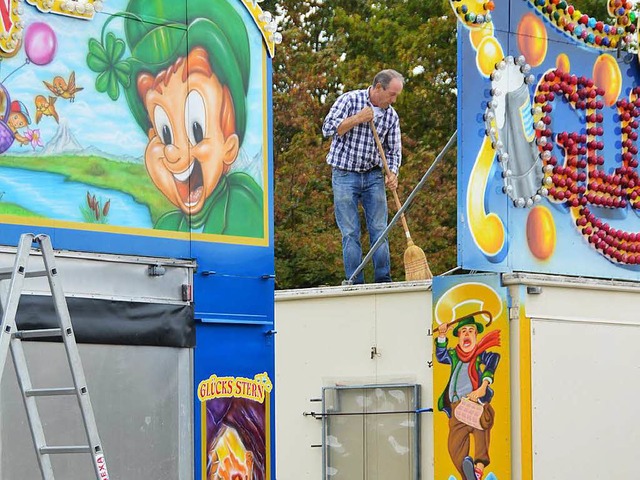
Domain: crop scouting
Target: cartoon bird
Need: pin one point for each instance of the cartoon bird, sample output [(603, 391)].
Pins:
[(64, 89), (46, 107)]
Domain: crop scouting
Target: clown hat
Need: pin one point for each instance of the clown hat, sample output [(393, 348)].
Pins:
[(18, 107), (469, 320)]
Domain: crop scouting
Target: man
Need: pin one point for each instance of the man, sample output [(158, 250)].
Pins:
[(472, 371), (357, 174)]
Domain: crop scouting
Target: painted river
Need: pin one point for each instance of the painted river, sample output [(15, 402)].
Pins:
[(52, 196)]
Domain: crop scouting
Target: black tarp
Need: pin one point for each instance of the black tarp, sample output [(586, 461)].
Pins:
[(113, 322)]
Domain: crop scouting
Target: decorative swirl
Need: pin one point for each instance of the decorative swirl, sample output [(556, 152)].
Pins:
[(589, 30), (473, 14)]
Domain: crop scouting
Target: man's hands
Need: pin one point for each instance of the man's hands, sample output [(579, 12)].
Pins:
[(363, 116), (391, 181), (480, 392)]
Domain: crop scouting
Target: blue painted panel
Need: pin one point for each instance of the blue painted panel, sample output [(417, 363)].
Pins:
[(83, 167), (234, 299), (233, 351), (539, 208)]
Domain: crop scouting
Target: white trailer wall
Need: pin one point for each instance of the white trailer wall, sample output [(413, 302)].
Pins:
[(585, 376), (142, 395), (575, 370), (325, 337)]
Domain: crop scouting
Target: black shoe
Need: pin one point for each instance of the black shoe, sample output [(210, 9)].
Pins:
[(467, 469)]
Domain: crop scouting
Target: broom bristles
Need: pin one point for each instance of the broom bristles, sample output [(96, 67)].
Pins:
[(415, 264)]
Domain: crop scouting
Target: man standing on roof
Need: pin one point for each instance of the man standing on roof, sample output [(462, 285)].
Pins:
[(357, 174)]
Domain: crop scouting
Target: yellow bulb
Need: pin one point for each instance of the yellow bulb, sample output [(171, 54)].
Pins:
[(489, 53), (532, 39), (607, 75), (493, 235), (562, 63), (541, 233)]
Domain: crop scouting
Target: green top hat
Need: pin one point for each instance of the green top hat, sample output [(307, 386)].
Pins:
[(469, 320), (211, 24)]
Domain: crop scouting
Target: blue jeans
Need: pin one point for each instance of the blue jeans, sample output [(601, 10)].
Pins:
[(350, 189)]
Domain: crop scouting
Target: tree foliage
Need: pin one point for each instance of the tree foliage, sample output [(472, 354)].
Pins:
[(593, 8), (333, 46)]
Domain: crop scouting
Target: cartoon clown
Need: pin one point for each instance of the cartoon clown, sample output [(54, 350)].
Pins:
[(188, 85), (472, 371)]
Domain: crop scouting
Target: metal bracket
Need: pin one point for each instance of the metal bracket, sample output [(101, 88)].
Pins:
[(374, 352), (156, 270)]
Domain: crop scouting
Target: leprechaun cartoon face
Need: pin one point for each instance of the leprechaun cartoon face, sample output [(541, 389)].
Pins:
[(467, 337), (193, 139)]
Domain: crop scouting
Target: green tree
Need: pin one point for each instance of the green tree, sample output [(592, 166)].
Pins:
[(593, 8), (334, 46)]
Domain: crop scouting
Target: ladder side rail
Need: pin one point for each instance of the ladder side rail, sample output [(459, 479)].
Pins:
[(11, 300), (73, 356), (35, 423)]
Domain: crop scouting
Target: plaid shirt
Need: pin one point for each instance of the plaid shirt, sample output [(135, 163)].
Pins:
[(356, 150)]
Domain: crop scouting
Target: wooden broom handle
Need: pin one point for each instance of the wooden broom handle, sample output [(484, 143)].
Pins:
[(388, 172), (481, 312)]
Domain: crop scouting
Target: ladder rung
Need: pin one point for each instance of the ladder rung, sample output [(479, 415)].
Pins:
[(65, 449), (50, 392), (38, 333), (7, 272)]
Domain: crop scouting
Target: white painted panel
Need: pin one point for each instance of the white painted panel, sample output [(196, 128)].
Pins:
[(324, 338), (586, 398), (319, 341), (111, 277)]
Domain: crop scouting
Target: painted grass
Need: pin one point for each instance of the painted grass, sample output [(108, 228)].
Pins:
[(13, 209), (131, 178)]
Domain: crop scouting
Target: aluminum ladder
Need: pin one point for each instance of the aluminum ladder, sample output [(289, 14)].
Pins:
[(11, 338)]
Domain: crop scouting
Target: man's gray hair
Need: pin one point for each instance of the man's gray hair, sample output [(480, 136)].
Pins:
[(385, 76)]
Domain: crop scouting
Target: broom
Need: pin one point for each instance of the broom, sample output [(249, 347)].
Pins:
[(415, 261)]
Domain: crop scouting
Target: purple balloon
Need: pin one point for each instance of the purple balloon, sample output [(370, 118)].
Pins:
[(40, 43)]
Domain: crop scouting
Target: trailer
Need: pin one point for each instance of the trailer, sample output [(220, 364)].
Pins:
[(358, 380), (518, 363), (136, 136)]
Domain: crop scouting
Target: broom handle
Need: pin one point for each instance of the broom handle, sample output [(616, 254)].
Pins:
[(406, 205), (481, 312), (393, 190)]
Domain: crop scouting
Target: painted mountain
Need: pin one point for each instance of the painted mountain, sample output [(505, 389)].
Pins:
[(251, 165), (62, 142), (65, 142)]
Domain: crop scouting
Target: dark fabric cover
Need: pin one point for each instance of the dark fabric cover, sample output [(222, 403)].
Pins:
[(114, 322)]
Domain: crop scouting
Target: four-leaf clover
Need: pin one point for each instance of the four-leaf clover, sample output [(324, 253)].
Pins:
[(106, 59)]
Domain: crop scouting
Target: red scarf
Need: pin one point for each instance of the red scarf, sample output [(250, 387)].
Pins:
[(491, 339)]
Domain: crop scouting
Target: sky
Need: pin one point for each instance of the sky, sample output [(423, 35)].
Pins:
[(94, 119)]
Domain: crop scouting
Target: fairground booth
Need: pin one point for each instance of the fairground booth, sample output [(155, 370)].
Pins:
[(519, 364), (136, 136)]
